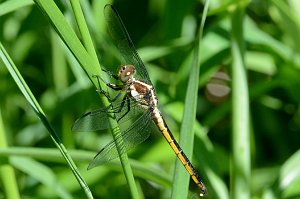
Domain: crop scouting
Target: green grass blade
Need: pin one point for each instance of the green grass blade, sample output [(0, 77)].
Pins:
[(88, 61), (12, 5), (6, 60), (181, 177), (115, 132), (289, 176), (141, 170), (86, 37), (240, 173), (164, 35), (67, 34), (42, 174), (289, 21), (7, 174)]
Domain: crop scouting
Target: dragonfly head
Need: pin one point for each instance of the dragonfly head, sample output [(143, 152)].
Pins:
[(126, 73)]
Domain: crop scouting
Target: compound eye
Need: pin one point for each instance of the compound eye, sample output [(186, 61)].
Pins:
[(123, 68), (126, 72)]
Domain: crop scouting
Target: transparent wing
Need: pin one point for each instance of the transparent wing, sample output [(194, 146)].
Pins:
[(99, 119), (123, 42), (137, 133), (92, 121)]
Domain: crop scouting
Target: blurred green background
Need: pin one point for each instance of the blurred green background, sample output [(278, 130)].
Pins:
[(163, 32)]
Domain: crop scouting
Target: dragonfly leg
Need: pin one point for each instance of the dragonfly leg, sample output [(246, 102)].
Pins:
[(126, 98), (116, 97), (110, 74), (110, 85), (106, 94)]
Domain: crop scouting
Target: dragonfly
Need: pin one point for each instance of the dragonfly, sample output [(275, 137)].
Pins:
[(135, 106)]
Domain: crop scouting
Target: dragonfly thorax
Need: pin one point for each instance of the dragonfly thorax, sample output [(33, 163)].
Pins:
[(139, 90), (143, 92), (126, 73)]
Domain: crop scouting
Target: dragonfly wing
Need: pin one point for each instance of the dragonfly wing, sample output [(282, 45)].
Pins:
[(137, 133), (123, 42), (92, 121), (99, 119)]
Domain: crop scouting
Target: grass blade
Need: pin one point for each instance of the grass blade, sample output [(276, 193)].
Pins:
[(7, 174), (240, 173), (9, 6), (6, 60), (88, 61), (41, 173), (181, 177), (86, 37)]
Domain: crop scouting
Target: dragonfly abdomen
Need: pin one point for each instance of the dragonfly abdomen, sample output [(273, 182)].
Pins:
[(164, 129)]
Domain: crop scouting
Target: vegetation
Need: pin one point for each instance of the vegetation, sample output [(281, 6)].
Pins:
[(245, 98)]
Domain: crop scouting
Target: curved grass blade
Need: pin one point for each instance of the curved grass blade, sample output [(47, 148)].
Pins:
[(241, 163), (88, 63), (7, 173), (181, 178), (6, 60), (41, 173)]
